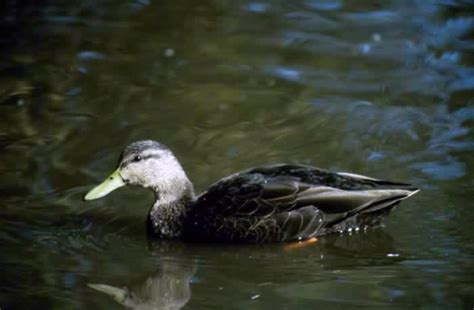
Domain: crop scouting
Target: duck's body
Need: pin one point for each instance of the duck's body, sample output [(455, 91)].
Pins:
[(266, 204)]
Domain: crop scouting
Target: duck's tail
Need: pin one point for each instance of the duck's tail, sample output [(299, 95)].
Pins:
[(389, 202), (372, 213)]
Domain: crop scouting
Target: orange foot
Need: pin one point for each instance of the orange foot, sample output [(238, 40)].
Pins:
[(300, 244)]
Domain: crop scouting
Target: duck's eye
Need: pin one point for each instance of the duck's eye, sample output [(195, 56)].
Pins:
[(137, 158)]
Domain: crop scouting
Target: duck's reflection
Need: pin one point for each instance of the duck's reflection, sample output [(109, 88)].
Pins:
[(169, 289), (255, 265)]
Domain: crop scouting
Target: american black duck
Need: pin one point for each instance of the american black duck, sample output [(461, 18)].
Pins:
[(273, 203)]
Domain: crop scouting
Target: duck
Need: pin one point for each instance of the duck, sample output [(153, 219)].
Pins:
[(270, 203)]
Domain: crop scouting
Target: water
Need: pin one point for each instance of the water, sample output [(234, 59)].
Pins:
[(377, 88)]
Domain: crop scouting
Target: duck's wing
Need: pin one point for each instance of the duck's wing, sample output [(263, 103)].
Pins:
[(291, 201)]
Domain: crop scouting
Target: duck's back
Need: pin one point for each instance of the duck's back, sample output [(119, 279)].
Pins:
[(289, 202)]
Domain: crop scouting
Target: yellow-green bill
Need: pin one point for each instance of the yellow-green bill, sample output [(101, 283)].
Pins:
[(116, 293), (113, 182)]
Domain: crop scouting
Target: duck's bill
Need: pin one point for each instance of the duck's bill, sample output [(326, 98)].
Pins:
[(116, 293), (110, 184)]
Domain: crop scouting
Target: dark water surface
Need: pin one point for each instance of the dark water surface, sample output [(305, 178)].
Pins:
[(383, 88)]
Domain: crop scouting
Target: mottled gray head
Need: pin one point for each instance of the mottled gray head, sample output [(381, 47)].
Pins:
[(140, 150), (148, 164)]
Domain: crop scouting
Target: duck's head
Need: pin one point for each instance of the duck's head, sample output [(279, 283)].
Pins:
[(148, 164)]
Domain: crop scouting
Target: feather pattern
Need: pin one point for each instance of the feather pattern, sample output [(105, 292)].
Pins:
[(289, 202)]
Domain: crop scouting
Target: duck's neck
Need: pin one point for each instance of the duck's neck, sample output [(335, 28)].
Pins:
[(167, 214)]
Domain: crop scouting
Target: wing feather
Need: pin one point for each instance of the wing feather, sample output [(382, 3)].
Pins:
[(288, 202)]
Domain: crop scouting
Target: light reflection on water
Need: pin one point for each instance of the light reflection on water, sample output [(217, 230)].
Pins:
[(383, 89)]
